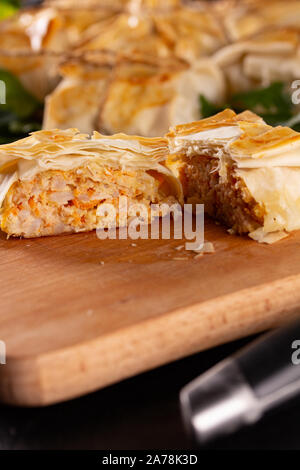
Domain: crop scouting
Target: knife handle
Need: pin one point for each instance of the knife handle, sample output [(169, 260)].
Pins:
[(240, 389), (271, 365)]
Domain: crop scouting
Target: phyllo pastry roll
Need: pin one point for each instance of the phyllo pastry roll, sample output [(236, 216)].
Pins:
[(77, 100), (87, 3), (29, 30), (244, 18), (246, 173), (189, 33), (34, 43), (55, 181), (126, 34), (139, 94), (267, 57), (148, 95), (52, 29)]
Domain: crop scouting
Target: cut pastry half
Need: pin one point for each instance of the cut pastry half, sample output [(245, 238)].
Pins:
[(246, 173), (55, 181)]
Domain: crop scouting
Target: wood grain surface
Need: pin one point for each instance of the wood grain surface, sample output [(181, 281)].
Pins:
[(78, 313)]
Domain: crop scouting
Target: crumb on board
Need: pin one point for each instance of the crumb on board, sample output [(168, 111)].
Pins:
[(231, 231), (179, 248), (206, 247), (133, 244), (102, 263)]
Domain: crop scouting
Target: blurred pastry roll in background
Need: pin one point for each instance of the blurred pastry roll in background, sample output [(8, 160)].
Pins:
[(135, 95), (267, 57), (244, 18)]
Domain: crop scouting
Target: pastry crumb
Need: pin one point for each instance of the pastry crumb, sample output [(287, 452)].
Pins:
[(206, 247), (179, 248)]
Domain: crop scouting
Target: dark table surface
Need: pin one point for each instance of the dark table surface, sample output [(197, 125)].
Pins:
[(139, 413)]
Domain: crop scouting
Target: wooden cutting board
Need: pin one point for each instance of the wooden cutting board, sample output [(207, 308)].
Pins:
[(72, 324)]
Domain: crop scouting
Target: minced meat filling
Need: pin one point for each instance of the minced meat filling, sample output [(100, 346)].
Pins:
[(227, 201)]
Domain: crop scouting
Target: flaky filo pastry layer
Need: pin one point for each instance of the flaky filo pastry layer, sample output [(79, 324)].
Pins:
[(54, 181), (245, 172)]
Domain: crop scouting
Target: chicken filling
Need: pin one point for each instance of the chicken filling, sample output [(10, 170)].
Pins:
[(57, 201)]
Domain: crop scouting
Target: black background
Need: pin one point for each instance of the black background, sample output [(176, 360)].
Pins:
[(139, 413)]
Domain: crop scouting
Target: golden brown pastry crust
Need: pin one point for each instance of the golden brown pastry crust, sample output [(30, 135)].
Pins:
[(255, 139), (225, 118)]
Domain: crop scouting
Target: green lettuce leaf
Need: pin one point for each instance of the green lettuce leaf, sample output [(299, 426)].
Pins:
[(272, 103), (8, 8), (18, 100), (22, 112)]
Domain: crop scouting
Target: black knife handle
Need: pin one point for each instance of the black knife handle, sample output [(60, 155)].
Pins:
[(271, 364), (240, 389)]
